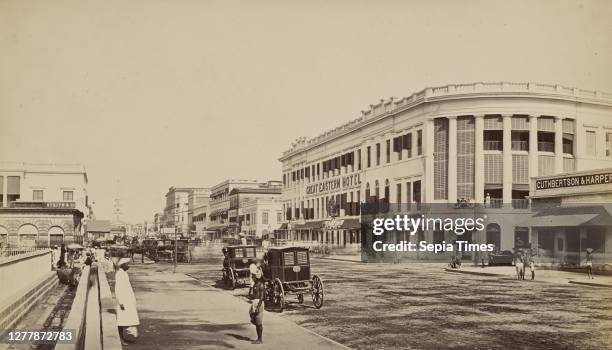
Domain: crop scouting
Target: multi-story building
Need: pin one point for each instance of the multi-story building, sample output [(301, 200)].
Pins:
[(478, 143), (223, 218), (42, 204), (259, 209), (176, 212), (198, 208)]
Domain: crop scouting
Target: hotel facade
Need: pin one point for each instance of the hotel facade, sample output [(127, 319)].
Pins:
[(479, 143), (42, 204)]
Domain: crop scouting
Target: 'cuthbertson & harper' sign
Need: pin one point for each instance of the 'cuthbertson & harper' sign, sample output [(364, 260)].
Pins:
[(577, 180), (334, 184)]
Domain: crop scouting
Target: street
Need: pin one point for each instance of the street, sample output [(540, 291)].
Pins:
[(420, 306)]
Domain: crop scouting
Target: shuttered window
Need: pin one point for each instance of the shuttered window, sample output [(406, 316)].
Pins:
[(520, 123), (465, 157), (13, 185), (289, 258), (546, 124), (569, 164), (440, 157), (493, 123), (591, 142), (494, 167), (568, 126), (546, 165), (520, 169), (302, 258)]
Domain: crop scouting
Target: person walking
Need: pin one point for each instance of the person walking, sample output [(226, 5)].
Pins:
[(257, 309), (589, 263), (127, 314)]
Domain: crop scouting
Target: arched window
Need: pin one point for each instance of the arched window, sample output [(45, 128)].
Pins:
[(56, 236), (3, 236), (28, 234), (387, 191), (377, 190), (494, 235)]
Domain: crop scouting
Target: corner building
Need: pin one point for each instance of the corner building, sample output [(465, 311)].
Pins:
[(479, 142)]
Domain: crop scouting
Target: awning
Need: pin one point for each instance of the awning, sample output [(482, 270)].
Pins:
[(577, 216)]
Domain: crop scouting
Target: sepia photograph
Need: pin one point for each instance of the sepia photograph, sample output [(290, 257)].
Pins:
[(300, 175)]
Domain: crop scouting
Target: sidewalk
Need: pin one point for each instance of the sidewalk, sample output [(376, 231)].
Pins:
[(554, 276), (177, 312)]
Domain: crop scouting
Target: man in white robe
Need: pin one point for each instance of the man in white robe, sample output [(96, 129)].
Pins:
[(127, 314)]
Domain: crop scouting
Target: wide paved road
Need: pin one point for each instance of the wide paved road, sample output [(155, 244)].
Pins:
[(371, 306)]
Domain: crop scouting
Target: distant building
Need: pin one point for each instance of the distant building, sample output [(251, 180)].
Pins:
[(176, 212), (42, 204), (223, 217), (259, 209), (98, 229), (197, 211)]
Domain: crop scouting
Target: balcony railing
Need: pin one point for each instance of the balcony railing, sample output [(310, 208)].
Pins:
[(520, 145), (492, 145), (494, 203), (522, 203), (545, 146)]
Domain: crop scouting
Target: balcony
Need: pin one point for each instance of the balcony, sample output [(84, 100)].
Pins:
[(492, 145), (494, 203), (522, 203), (545, 146), (520, 145)]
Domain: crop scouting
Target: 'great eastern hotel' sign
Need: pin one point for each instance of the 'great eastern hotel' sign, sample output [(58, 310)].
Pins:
[(334, 184), (574, 180)]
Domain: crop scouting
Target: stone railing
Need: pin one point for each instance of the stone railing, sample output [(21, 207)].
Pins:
[(92, 315), (455, 90)]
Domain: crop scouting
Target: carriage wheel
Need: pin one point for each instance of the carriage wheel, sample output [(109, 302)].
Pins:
[(301, 298), (278, 295), (317, 291)]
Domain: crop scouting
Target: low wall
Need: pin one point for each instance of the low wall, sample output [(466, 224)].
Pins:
[(23, 271)]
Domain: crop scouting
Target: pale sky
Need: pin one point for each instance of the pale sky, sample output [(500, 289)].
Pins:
[(188, 93)]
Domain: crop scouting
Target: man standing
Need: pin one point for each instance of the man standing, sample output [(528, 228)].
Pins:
[(127, 315), (257, 309)]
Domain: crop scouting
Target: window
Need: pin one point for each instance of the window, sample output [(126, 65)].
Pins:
[(546, 141), (493, 140), (359, 159), (37, 195), (520, 140), (264, 218), (408, 144), (369, 162), (378, 154), (388, 151), (399, 193), (419, 142), (279, 217), (608, 145), (69, 195), (591, 143)]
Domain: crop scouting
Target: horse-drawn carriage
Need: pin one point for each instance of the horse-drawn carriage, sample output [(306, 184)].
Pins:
[(287, 271), (236, 264)]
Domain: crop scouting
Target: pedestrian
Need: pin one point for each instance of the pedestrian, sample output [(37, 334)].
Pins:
[(127, 314), (589, 263), (532, 267), (255, 273), (257, 309)]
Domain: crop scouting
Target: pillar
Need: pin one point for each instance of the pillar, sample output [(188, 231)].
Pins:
[(452, 159), (558, 145), (479, 159), (507, 150), (428, 140), (5, 192), (533, 146)]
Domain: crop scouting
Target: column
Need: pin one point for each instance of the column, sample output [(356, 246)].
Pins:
[(428, 140), (533, 146), (452, 159), (479, 159), (558, 145), (5, 191), (507, 176)]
